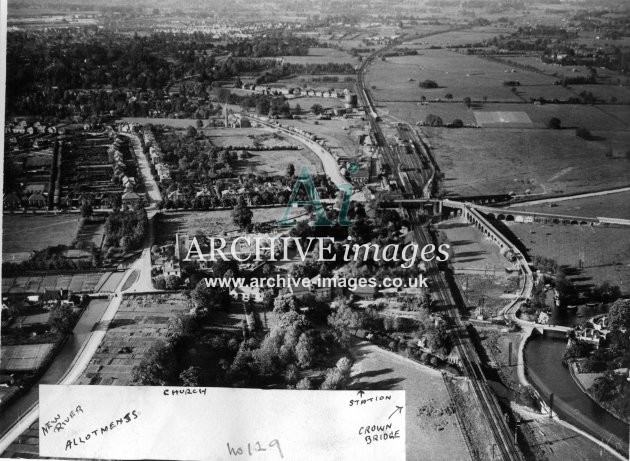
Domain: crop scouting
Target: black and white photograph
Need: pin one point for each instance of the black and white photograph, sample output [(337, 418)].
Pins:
[(315, 230)]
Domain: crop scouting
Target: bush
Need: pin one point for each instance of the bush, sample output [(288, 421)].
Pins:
[(428, 84), (457, 123), (553, 123), (583, 133), (433, 120)]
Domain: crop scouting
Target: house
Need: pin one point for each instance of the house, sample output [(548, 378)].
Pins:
[(365, 293), (299, 291), (37, 199), (247, 293), (321, 290), (11, 201), (171, 268), (131, 199)]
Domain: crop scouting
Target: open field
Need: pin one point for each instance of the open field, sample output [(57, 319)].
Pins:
[(459, 74), (609, 206), (213, 222), (140, 322), (606, 252), (341, 135), (433, 432), (322, 56), (455, 38), (24, 358), (608, 118), (22, 233), (502, 160), (274, 162)]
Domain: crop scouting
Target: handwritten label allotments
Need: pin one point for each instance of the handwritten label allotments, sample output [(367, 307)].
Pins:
[(115, 422)]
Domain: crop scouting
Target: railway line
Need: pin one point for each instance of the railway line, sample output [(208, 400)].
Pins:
[(470, 364)]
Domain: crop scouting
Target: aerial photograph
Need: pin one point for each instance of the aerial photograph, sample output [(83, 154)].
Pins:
[(358, 196)]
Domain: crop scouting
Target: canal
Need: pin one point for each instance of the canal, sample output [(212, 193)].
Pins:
[(543, 359)]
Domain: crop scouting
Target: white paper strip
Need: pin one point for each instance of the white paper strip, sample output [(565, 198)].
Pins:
[(114, 422)]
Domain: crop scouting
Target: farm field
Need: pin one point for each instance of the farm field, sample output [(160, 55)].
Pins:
[(321, 56), (22, 233), (212, 222), (455, 38), (140, 322), (433, 432), (504, 160), (606, 252), (609, 206), (609, 118), (456, 73), (182, 123)]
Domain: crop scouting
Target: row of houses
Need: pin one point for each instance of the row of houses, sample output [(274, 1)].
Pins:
[(155, 155), (290, 93)]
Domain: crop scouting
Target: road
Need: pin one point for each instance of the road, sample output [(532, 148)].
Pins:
[(91, 328)]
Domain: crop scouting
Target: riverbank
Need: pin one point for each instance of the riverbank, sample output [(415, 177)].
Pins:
[(585, 381), (543, 363)]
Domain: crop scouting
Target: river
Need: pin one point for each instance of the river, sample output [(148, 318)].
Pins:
[(543, 358)]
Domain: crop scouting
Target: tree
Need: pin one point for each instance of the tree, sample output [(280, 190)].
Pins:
[(345, 322), (448, 96), (172, 282), (604, 388), (241, 214), (457, 123), (304, 350), (183, 325), (191, 377), (158, 367), (199, 124), (619, 314), (284, 304), (428, 84), (86, 208), (467, 102), (290, 170), (553, 123), (304, 384), (583, 133), (207, 299), (433, 120), (61, 319), (317, 109)]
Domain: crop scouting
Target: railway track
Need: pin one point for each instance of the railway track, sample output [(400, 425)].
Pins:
[(507, 449)]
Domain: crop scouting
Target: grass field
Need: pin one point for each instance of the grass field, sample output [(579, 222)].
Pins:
[(605, 250), (22, 233), (459, 74), (322, 56), (274, 162), (501, 160), (609, 206), (433, 432)]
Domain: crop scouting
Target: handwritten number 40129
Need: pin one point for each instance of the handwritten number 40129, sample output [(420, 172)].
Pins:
[(252, 449)]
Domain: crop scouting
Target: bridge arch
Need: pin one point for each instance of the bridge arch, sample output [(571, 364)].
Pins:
[(574, 222), (509, 217), (501, 217), (491, 215)]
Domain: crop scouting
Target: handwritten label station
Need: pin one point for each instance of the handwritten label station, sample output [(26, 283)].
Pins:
[(115, 422)]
